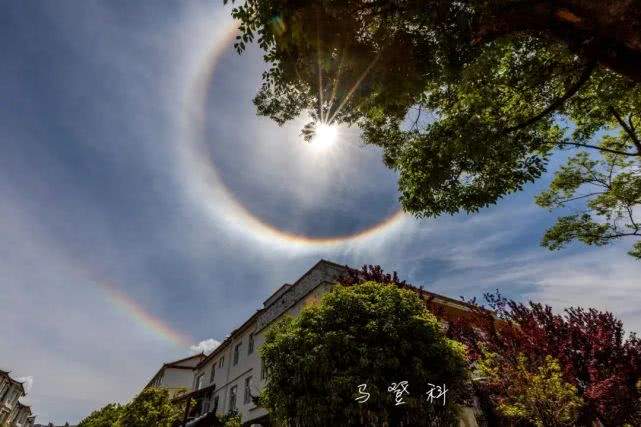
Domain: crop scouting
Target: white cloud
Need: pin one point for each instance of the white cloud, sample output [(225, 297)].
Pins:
[(604, 278), (205, 346), (27, 383)]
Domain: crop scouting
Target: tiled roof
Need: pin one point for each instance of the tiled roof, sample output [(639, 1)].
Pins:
[(177, 363)]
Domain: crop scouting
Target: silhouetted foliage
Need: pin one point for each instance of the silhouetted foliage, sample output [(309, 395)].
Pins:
[(469, 99), (371, 273)]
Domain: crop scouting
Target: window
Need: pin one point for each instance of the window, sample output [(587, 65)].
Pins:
[(216, 403), (213, 374), (232, 398), (221, 362), (248, 395), (237, 353), (262, 369), (250, 344), (199, 381), (205, 406)]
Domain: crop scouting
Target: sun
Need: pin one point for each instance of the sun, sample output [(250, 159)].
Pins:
[(325, 136)]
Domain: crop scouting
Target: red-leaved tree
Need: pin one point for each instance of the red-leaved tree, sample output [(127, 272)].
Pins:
[(591, 346), (593, 350)]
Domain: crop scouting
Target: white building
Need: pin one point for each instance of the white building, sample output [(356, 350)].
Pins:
[(176, 376), (232, 374), (21, 416), (13, 412)]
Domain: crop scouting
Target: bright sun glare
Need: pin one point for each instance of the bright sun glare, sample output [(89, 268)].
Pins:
[(325, 136)]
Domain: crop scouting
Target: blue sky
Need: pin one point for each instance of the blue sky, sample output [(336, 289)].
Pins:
[(99, 190)]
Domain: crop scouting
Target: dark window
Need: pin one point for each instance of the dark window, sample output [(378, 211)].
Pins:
[(250, 344), (248, 395), (237, 353), (232, 398), (213, 373)]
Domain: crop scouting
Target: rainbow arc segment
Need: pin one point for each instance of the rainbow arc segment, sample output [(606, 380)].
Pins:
[(135, 311), (203, 181), (143, 317)]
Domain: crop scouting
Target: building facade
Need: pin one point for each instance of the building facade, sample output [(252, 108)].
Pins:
[(13, 413), (21, 416), (232, 376)]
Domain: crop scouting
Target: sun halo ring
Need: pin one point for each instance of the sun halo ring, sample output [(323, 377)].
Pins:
[(205, 182)]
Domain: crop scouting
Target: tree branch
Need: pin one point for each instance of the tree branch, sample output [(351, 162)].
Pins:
[(631, 124), (617, 235), (580, 197), (570, 92), (631, 133), (596, 147), (610, 236), (418, 116), (631, 216)]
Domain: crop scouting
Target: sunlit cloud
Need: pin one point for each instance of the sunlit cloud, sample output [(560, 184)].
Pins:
[(204, 346), (27, 383)]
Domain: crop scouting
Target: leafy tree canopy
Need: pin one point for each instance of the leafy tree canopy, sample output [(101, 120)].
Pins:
[(374, 334), (107, 416), (468, 99), (231, 419), (540, 397), (152, 407)]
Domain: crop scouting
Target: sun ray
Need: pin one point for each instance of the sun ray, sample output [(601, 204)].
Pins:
[(320, 70), (337, 79), (353, 89)]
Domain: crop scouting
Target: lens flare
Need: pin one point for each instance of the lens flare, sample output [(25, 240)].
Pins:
[(325, 136)]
